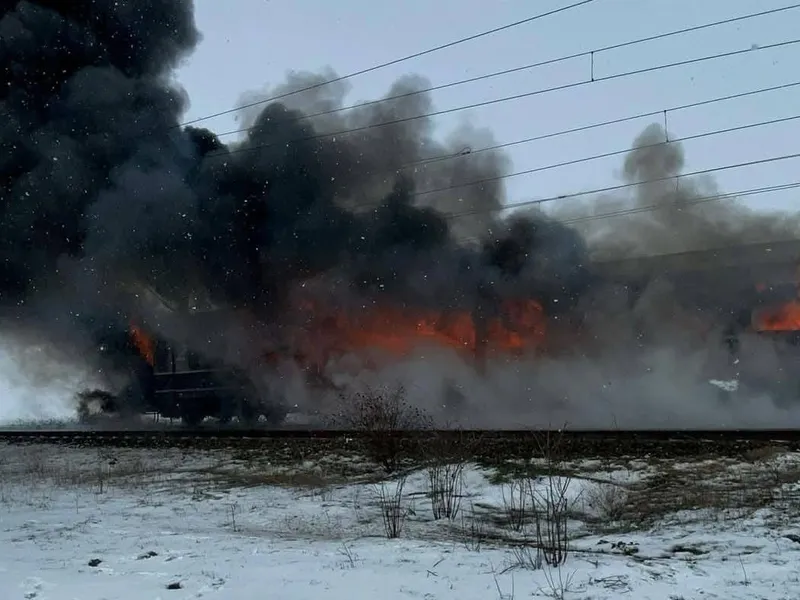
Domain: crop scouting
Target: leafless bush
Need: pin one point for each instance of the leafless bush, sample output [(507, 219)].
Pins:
[(448, 455), (608, 501), (473, 532), (543, 500), (393, 512), (501, 595), (446, 487), (232, 511), (382, 409), (383, 414), (551, 503), (516, 501), (559, 586), (551, 512), (526, 557), (351, 559)]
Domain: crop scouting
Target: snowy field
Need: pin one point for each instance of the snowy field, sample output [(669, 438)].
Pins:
[(111, 524)]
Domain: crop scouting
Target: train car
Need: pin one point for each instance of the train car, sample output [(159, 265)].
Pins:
[(182, 384), (753, 290), (180, 380), (172, 381)]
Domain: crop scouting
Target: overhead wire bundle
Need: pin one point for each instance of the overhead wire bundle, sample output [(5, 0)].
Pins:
[(591, 79)]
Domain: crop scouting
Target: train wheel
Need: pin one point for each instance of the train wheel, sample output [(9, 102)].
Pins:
[(192, 416), (131, 401), (276, 415), (248, 414)]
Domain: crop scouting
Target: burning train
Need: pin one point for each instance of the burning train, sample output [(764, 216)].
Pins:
[(319, 338), (176, 379), (335, 241)]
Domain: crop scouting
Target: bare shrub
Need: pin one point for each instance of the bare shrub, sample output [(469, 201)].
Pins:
[(526, 557), (446, 487), (551, 512), (446, 455), (544, 501), (473, 531), (608, 501), (351, 559), (383, 415), (551, 503), (232, 511), (390, 501), (559, 586), (516, 502), (382, 409)]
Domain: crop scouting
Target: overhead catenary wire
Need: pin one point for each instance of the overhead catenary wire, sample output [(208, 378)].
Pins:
[(603, 190), (395, 61), (694, 202), (582, 128), (757, 191), (552, 61), (247, 149), (609, 154)]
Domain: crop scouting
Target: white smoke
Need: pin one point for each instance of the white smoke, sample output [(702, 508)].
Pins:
[(670, 389), (652, 366), (37, 386)]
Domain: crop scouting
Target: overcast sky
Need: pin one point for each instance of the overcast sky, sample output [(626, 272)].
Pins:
[(250, 45)]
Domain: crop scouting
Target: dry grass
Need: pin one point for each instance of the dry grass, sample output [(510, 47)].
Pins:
[(49, 466), (535, 514), (709, 490), (98, 470), (227, 477)]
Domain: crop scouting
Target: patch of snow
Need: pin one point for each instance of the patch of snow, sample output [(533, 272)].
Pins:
[(131, 524), (730, 385)]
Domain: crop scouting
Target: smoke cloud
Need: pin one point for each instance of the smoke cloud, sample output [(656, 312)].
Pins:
[(104, 196), (38, 381), (674, 214)]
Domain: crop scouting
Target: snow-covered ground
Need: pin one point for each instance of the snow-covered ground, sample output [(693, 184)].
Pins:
[(132, 524)]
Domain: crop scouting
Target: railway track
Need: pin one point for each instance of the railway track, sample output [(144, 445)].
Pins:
[(488, 444)]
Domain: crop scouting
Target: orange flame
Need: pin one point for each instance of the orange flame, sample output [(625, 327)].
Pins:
[(519, 328), (785, 317), (144, 344), (322, 332)]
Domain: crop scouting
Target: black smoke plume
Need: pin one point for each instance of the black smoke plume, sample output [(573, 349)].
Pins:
[(104, 195), (102, 188)]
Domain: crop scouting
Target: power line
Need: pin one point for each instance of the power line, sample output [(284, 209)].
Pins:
[(654, 207), (588, 53), (626, 150), (696, 201), (508, 98), (545, 136), (603, 190), (394, 61)]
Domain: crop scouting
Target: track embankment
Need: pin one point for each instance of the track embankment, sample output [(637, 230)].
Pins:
[(494, 444)]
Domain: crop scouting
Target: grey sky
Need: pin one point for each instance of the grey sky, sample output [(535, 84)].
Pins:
[(251, 44)]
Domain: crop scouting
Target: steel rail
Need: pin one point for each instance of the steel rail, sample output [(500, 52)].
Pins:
[(483, 446), (665, 435)]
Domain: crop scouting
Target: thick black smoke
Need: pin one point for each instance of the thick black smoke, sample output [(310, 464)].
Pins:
[(104, 197), (100, 188)]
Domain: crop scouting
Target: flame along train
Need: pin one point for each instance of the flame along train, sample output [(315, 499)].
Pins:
[(174, 382), (171, 380)]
